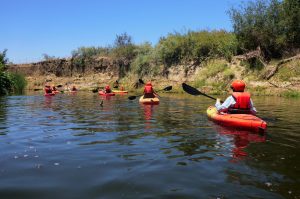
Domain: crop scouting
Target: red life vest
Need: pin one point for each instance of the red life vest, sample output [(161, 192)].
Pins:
[(107, 89), (242, 100), (48, 90), (148, 90)]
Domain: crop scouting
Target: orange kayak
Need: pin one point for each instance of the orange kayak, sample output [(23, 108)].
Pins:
[(239, 121)]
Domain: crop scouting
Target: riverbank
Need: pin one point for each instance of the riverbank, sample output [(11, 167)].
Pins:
[(212, 77)]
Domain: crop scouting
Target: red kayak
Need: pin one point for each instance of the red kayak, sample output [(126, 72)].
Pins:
[(239, 121), (106, 94)]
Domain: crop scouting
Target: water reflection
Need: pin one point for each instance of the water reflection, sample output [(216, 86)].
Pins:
[(3, 126), (148, 112), (240, 140)]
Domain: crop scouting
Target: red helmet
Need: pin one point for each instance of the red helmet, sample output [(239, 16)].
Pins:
[(238, 86), (107, 87), (148, 84)]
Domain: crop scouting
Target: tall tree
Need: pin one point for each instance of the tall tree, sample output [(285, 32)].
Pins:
[(291, 17), (258, 24)]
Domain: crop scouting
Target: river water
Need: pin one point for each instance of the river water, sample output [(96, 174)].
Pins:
[(68, 146)]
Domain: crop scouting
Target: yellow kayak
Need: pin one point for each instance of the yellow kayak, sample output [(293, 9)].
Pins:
[(150, 101), (119, 92)]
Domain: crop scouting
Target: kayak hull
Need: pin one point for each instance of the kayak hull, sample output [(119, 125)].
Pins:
[(239, 121), (119, 92), (150, 101), (49, 94), (106, 94)]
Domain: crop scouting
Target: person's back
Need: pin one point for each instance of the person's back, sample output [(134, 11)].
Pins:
[(148, 91), (74, 88), (239, 102), (107, 89), (47, 89)]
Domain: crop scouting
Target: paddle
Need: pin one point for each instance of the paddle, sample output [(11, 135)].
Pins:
[(141, 81), (116, 84), (168, 88), (95, 90), (193, 91)]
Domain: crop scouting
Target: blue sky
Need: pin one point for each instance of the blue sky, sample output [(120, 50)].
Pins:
[(31, 28)]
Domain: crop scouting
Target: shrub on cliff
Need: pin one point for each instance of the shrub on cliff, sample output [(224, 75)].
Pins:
[(272, 25), (196, 46), (145, 62), (123, 48)]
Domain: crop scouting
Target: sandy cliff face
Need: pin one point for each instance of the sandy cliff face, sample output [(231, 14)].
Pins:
[(68, 67)]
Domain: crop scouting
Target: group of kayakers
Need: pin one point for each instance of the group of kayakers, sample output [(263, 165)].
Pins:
[(238, 102), (53, 90)]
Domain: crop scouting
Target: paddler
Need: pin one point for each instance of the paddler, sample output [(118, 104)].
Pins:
[(107, 89), (148, 91), (239, 102), (47, 89), (116, 84), (73, 88)]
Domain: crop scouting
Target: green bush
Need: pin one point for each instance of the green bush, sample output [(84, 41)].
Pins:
[(212, 68), (196, 46), (18, 82), (9, 82), (5, 83), (145, 63), (272, 25), (291, 94)]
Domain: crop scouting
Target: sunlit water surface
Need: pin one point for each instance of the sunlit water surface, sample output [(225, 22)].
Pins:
[(68, 146)]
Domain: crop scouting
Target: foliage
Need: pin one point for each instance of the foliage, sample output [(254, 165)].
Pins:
[(18, 82), (272, 25), (9, 82), (124, 48), (289, 71), (212, 68), (87, 52), (48, 57), (145, 62), (196, 46), (291, 94), (5, 83), (252, 64), (3, 60), (291, 16)]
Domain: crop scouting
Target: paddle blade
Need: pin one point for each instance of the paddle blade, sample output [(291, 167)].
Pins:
[(193, 91), (190, 90), (131, 97), (95, 90), (168, 88), (141, 81)]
